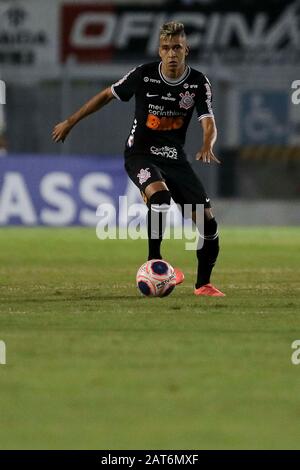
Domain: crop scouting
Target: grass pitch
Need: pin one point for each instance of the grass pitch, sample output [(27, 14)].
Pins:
[(91, 364)]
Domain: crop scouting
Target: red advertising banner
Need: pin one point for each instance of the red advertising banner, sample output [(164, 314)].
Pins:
[(87, 32)]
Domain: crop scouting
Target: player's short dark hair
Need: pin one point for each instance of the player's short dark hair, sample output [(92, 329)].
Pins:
[(172, 28)]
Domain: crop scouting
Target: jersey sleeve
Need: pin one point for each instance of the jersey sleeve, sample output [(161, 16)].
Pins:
[(204, 99), (126, 87)]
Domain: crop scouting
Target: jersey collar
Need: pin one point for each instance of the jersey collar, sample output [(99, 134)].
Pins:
[(179, 80)]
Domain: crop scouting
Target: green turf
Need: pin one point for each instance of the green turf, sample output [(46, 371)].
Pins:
[(90, 364)]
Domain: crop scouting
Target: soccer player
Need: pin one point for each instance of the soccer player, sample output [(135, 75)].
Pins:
[(166, 94)]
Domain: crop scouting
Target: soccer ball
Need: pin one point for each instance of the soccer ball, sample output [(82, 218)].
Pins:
[(156, 278)]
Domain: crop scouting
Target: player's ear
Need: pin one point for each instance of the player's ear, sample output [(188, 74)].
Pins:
[(187, 49)]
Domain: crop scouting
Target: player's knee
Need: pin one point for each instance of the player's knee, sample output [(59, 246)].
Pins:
[(160, 201), (209, 240), (210, 229)]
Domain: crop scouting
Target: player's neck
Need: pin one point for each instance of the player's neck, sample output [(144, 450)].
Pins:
[(173, 74)]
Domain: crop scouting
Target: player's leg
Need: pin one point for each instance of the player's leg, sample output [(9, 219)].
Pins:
[(186, 188), (207, 255), (158, 200), (150, 181)]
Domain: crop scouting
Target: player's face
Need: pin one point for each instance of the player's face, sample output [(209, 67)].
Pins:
[(173, 51)]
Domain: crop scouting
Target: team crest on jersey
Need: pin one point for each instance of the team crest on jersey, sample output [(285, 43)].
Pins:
[(143, 175), (186, 101)]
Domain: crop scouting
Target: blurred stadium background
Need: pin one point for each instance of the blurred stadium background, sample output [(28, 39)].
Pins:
[(89, 363), (55, 54)]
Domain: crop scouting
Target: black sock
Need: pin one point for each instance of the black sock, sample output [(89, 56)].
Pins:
[(154, 238), (207, 255), (156, 221)]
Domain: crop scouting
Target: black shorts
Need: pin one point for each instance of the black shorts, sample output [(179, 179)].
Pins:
[(181, 180)]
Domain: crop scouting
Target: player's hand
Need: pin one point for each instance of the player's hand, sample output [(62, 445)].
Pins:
[(206, 155), (60, 131)]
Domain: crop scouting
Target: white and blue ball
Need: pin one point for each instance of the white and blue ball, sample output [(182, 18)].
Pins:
[(156, 278)]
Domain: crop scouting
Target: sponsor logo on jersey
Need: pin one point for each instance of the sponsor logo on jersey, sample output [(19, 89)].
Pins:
[(143, 175), (164, 123), (186, 101), (146, 79), (168, 97), (167, 152), (159, 110), (186, 85), (193, 86), (153, 80)]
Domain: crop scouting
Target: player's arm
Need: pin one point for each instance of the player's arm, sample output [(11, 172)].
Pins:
[(62, 129), (206, 153)]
